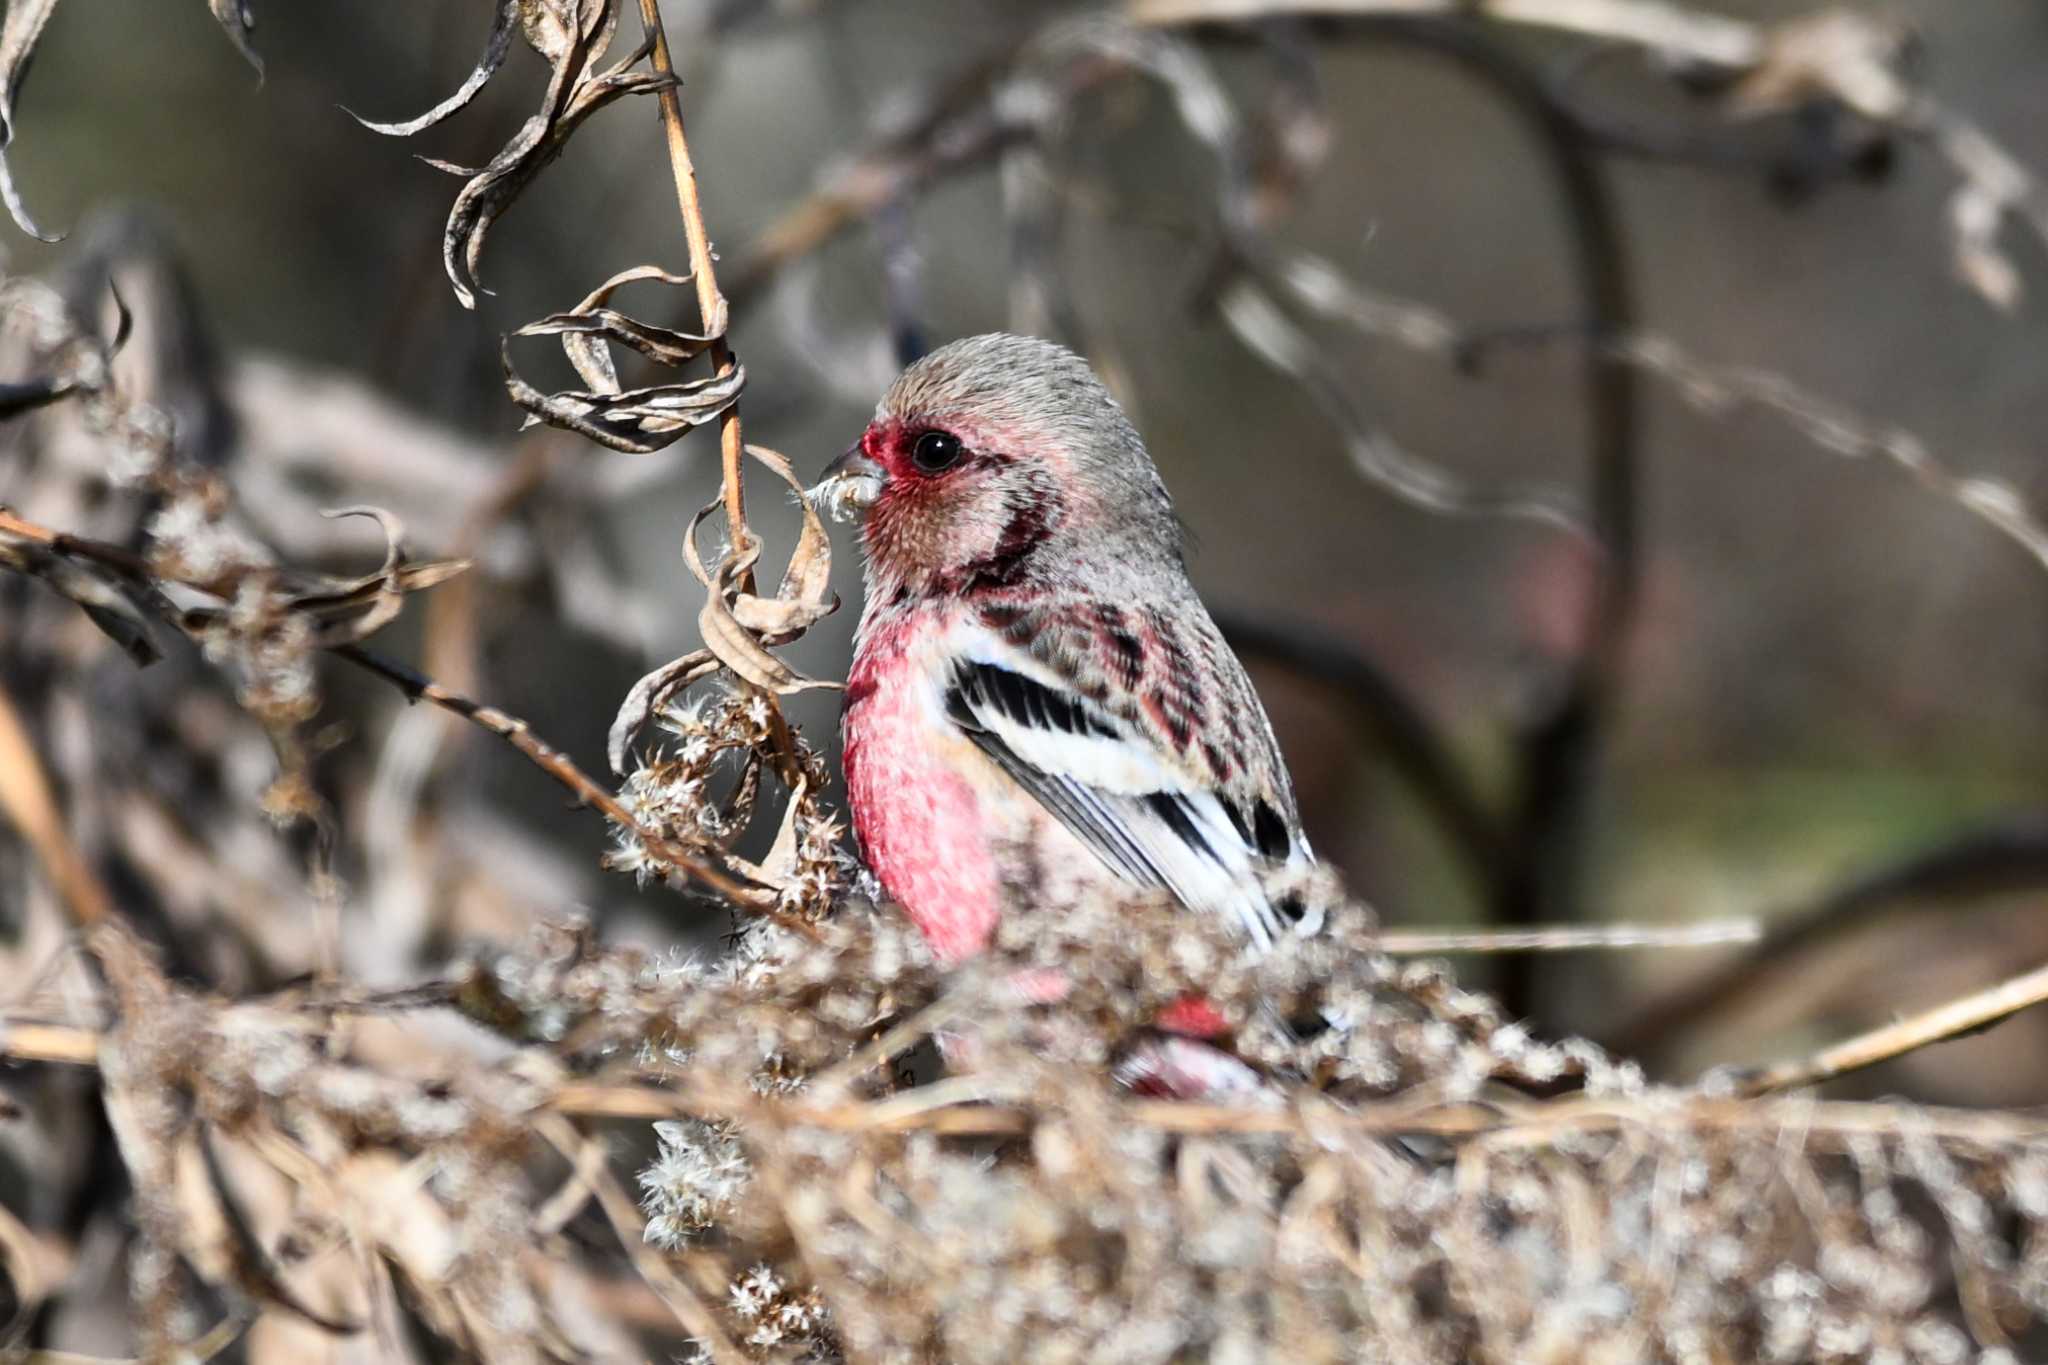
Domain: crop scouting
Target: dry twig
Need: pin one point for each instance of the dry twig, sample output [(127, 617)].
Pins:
[(1957, 1019)]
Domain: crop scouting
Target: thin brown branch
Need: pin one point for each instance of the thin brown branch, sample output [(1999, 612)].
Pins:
[(598, 1100), (27, 799), (113, 556), (699, 1097), (1956, 1019), (1564, 938), (549, 760), (711, 304)]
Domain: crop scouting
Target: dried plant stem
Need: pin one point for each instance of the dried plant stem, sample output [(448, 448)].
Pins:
[(1537, 1122), (585, 1161), (34, 1042), (899, 1037), (548, 759), (1669, 28), (14, 525), (27, 799), (113, 556), (1558, 938), (619, 1210), (1957, 1018), (710, 303)]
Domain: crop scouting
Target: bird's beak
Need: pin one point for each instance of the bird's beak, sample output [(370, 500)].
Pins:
[(849, 485)]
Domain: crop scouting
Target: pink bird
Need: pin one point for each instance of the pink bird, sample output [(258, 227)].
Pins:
[(1035, 683)]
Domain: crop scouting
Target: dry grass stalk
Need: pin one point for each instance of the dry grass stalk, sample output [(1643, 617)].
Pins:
[(1954, 1019)]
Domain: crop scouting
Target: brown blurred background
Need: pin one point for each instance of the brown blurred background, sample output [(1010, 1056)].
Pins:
[(1830, 669)]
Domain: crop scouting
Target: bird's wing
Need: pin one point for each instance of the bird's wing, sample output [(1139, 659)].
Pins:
[(1138, 730)]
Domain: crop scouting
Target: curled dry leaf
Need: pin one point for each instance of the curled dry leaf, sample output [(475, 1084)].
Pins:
[(636, 421), (736, 624), (780, 866), (117, 606), (25, 20), (633, 420), (805, 596), (723, 635), (571, 35), (733, 621), (586, 328), (495, 47), (649, 695), (239, 21), (346, 610)]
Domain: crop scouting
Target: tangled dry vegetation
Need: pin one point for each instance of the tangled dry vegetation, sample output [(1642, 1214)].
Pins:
[(558, 1149)]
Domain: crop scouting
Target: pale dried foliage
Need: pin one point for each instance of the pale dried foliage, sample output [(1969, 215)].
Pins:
[(560, 1149), (1393, 1193)]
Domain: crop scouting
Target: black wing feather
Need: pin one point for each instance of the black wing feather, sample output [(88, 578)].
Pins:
[(1089, 813), (1077, 807)]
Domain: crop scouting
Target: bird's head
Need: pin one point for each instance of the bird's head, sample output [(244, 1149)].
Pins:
[(995, 461)]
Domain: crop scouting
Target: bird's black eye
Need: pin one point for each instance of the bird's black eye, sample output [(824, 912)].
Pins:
[(935, 450)]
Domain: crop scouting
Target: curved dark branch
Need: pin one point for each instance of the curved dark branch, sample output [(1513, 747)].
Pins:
[(1388, 719), (2004, 855), (1559, 745)]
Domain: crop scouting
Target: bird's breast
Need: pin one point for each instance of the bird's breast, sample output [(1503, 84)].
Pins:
[(915, 786)]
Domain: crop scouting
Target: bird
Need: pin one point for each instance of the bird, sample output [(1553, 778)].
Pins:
[(1035, 682)]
